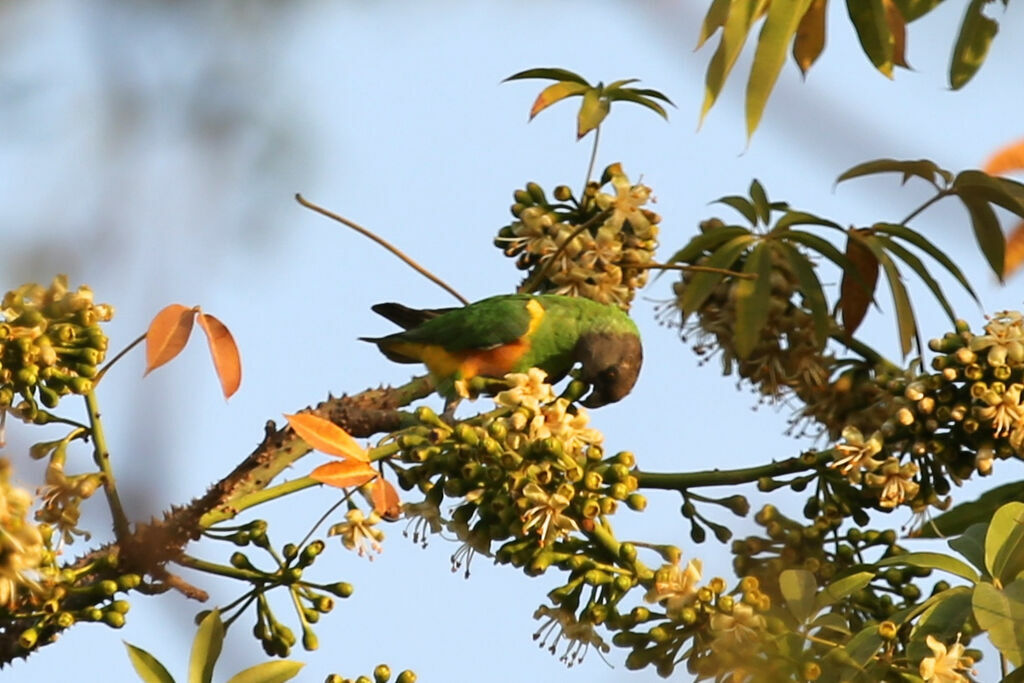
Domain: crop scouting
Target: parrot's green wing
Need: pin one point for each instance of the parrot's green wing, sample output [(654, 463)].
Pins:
[(485, 324)]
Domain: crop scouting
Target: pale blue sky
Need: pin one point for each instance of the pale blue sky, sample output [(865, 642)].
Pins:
[(152, 149)]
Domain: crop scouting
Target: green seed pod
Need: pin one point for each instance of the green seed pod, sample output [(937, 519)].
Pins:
[(342, 589), (113, 619), (523, 197), (406, 676), (536, 193), (65, 619), (28, 638), (636, 502), (241, 561)]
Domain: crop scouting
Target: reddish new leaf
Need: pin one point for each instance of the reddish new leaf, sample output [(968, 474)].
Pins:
[(856, 294), (226, 359), (1014, 250), (810, 36), (167, 335), (326, 437), (343, 474), (385, 500), (898, 28), (1009, 158)]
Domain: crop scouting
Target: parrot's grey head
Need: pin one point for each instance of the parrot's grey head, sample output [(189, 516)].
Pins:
[(610, 364)]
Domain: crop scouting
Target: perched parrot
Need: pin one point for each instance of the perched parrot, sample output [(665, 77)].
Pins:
[(516, 332)]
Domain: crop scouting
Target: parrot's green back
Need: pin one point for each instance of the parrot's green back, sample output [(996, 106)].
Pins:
[(513, 333)]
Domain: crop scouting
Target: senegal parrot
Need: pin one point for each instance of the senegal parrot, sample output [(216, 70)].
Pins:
[(516, 332)]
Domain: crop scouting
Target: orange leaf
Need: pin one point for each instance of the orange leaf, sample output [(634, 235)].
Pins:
[(810, 36), (226, 359), (854, 297), (898, 29), (1014, 250), (385, 500), (167, 335), (1009, 158), (326, 437), (343, 474)]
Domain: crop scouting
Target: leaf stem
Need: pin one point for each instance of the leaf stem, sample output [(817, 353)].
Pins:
[(384, 243), (694, 269), (865, 351), (593, 159), (682, 481), (119, 356), (913, 214), (101, 456), (255, 498), (219, 569)]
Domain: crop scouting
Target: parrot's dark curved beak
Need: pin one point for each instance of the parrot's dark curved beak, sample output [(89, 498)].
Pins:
[(610, 364)]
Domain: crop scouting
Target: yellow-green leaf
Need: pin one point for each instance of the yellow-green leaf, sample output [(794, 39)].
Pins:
[(943, 620), (549, 73), (1004, 543), (555, 92), (957, 519), (798, 588), (699, 288), (707, 241), (268, 672), (734, 34), (1001, 612), (987, 233), (713, 20), (752, 297), (840, 588), (592, 112), (206, 648), (148, 667), (976, 34), (876, 39), (933, 561), (810, 289), (776, 33), (915, 9), (810, 36)]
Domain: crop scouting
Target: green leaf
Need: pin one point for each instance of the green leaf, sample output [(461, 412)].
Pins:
[(826, 249), (944, 620), (206, 648), (1000, 612), (268, 672), (772, 44), (971, 544), (976, 34), (798, 589), (868, 17), (915, 9), (925, 245), (592, 112), (933, 561), (921, 168), (918, 267), (863, 645), (734, 34), (752, 297), (833, 621), (1004, 543), (149, 669), (957, 520), (1000, 191), (810, 289), (631, 96), (700, 287), (810, 36), (656, 94), (839, 589), (554, 93), (987, 233), (760, 202), (906, 324), (713, 20), (615, 85), (552, 74), (741, 204), (707, 241), (791, 218)]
